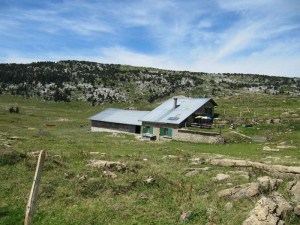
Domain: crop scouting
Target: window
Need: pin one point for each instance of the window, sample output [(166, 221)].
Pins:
[(166, 132), (148, 129)]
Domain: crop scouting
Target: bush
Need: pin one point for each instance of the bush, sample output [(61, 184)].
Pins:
[(13, 110)]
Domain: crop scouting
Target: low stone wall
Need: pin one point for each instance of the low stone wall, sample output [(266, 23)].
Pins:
[(102, 129), (183, 135)]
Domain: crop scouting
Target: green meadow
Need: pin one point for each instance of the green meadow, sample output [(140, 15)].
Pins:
[(73, 193)]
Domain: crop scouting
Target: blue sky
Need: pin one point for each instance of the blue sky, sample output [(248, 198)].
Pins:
[(247, 36)]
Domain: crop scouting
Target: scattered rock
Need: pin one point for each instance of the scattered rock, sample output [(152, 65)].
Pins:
[(6, 145), (297, 210), (149, 180), (82, 178), (66, 175), (144, 197), (266, 183), (264, 213), (172, 157), (228, 205), (241, 191), (267, 148), (114, 134), (185, 215), (98, 153), (272, 158), (63, 120), (196, 161), (194, 171), (221, 177), (285, 146), (210, 214), (107, 173), (243, 174), (107, 164), (145, 159), (277, 121), (294, 189), (34, 154)]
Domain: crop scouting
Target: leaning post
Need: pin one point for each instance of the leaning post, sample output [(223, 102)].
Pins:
[(30, 208)]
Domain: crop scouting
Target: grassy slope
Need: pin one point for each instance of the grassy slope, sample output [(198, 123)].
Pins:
[(128, 199)]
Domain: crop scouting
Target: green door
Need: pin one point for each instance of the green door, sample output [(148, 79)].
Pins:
[(161, 131), (151, 130), (170, 132)]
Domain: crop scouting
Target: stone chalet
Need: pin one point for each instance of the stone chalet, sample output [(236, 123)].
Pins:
[(167, 121)]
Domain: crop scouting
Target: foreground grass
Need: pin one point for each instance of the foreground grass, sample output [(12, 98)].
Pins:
[(62, 129)]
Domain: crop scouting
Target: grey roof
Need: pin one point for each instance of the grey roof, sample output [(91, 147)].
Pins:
[(122, 116), (166, 113)]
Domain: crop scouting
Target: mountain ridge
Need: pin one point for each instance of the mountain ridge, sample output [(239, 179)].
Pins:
[(100, 83)]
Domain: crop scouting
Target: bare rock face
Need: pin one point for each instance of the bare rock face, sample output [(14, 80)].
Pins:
[(269, 211), (266, 183), (283, 206), (264, 213), (107, 164), (241, 191), (294, 189)]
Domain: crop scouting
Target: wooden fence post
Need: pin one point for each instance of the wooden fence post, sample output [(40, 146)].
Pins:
[(30, 208)]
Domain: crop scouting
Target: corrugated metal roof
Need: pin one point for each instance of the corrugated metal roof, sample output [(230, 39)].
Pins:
[(166, 113), (122, 116)]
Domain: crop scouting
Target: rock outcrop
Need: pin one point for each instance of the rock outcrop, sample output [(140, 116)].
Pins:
[(275, 170), (294, 189), (241, 191), (221, 177), (269, 211), (266, 183)]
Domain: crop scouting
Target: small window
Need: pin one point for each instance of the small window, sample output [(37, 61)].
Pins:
[(166, 131), (148, 129)]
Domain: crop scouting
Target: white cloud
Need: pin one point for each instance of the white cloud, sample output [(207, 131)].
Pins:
[(238, 41), (217, 36)]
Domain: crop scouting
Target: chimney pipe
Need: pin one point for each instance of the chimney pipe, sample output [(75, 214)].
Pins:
[(175, 103)]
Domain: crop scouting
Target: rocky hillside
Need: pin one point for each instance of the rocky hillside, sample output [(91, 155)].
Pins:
[(100, 83)]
